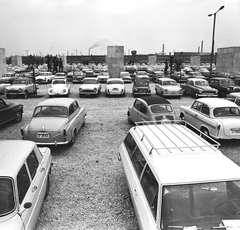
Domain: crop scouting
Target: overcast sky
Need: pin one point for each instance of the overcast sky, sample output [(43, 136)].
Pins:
[(73, 26)]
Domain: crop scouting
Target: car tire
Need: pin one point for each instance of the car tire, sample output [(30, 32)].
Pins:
[(47, 188), (71, 143), (129, 119), (18, 117), (25, 95), (206, 132)]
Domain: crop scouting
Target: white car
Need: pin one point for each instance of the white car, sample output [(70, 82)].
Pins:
[(59, 87), (90, 86), (168, 87), (45, 77), (103, 77), (216, 117), (115, 86)]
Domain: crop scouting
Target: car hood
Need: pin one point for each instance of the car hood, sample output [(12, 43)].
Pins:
[(89, 86), (114, 86), (205, 87), (47, 124), (18, 86), (58, 88)]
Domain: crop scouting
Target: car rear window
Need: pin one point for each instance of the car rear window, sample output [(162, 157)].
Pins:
[(51, 111)]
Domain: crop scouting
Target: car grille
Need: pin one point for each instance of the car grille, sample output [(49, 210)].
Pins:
[(13, 91), (169, 117), (88, 91)]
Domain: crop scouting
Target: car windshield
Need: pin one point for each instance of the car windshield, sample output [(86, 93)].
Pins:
[(226, 112), (141, 82), (7, 204), (226, 82), (161, 108), (59, 81), (50, 111), (114, 82), (141, 73), (19, 81), (169, 83), (201, 83), (90, 81), (125, 74), (203, 206)]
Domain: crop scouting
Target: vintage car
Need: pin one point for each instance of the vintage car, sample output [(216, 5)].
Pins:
[(21, 86), (167, 87), (90, 86), (178, 180), (198, 87), (179, 76), (150, 108), (78, 76), (60, 75), (55, 122), (103, 77), (125, 76), (59, 87), (45, 77), (115, 86), (10, 112), (155, 75), (141, 86), (8, 77), (216, 117), (24, 183), (195, 74), (235, 97), (224, 85), (142, 74)]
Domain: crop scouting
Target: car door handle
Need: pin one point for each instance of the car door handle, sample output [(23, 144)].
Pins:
[(34, 188), (195, 115), (134, 191)]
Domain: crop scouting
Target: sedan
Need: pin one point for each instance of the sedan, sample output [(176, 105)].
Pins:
[(55, 122), (125, 76), (90, 86), (150, 108), (10, 112), (179, 76), (198, 87), (216, 117), (115, 86), (59, 87), (45, 77), (167, 87)]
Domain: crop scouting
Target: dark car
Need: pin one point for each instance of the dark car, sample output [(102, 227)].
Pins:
[(141, 87), (10, 112), (224, 85)]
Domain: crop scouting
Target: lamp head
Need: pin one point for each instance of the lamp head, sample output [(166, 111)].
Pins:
[(221, 7)]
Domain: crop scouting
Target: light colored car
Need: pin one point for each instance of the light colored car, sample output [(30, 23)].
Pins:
[(8, 77), (24, 183), (178, 180), (216, 117), (235, 97), (60, 75), (167, 87), (3, 86), (55, 122), (115, 86), (21, 87), (59, 87), (179, 76), (45, 77), (198, 87), (125, 76), (150, 108), (103, 77), (90, 86)]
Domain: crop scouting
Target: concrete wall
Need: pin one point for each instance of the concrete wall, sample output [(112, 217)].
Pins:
[(228, 59), (16, 60), (115, 60), (195, 60), (152, 60), (3, 64)]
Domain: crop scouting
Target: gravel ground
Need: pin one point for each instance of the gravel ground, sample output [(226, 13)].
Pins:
[(88, 187)]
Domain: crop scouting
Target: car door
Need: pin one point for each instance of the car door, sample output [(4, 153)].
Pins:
[(77, 115), (142, 114), (192, 114), (6, 113), (134, 111)]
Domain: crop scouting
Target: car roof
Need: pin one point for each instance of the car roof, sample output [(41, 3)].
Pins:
[(114, 79), (153, 99), (12, 155), (236, 94), (196, 79), (166, 79), (57, 102), (178, 155), (217, 102)]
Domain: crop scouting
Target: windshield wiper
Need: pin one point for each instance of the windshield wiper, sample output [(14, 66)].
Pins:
[(184, 227)]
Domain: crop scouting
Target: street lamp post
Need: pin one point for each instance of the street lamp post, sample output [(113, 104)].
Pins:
[(214, 22)]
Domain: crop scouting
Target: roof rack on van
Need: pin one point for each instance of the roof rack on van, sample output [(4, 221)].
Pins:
[(207, 142)]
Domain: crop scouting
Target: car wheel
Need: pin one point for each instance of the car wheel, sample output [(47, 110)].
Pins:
[(47, 188), (71, 143), (18, 117), (205, 131), (129, 119), (25, 95)]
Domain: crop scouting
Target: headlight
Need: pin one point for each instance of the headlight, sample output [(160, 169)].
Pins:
[(50, 90), (165, 90), (95, 89), (228, 89), (200, 91), (64, 90), (20, 90)]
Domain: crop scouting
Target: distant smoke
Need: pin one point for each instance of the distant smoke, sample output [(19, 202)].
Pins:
[(100, 43)]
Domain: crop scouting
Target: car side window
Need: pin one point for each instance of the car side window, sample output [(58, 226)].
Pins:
[(197, 105), (130, 144), (137, 105), (2, 104), (138, 161), (75, 105), (205, 109), (142, 108), (23, 183), (150, 188), (32, 163), (71, 110)]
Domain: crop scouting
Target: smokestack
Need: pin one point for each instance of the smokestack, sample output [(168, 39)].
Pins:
[(163, 49), (202, 46), (89, 51)]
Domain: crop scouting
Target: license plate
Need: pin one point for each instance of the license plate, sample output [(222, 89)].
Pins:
[(42, 135)]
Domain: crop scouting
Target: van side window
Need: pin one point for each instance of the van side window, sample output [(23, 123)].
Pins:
[(23, 183), (150, 188), (130, 144), (138, 161), (32, 163)]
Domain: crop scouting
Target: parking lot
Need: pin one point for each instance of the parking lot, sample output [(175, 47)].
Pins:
[(88, 188)]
